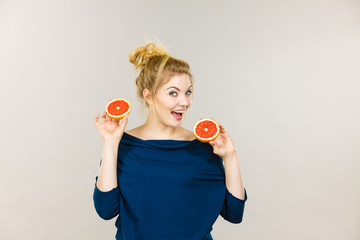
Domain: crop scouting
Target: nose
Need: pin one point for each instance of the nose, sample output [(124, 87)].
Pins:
[(185, 102)]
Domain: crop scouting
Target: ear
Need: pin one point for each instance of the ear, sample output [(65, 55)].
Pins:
[(147, 96)]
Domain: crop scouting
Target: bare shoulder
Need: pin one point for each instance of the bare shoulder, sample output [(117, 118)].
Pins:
[(135, 132), (188, 135)]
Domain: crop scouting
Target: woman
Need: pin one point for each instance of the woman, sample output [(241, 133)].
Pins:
[(159, 180)]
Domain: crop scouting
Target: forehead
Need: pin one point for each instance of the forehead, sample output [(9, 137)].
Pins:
[(181, 80)]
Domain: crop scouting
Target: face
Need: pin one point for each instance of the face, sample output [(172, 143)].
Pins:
[(175, 95)]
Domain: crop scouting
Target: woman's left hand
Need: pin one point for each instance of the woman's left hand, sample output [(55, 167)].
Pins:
[(223, 145)]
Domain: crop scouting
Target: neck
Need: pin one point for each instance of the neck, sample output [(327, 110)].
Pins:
[(154, 128)]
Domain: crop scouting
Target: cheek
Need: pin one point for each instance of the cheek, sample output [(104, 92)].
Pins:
[(168, 105), (190, 100)]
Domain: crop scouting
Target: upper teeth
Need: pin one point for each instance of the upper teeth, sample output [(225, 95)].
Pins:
[(179, 111)]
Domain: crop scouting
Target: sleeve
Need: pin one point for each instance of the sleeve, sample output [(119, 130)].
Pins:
[(233, 208), (107, 204)]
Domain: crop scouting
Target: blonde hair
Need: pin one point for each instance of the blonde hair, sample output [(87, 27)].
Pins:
[(155, 67)]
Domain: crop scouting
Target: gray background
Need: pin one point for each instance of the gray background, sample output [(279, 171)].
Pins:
[(281, 76)]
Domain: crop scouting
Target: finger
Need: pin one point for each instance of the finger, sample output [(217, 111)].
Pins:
[(124, 122), (96, 119), (125, 119), (103, 117), (221, 127), (107, 117), (212, 143), (117, 121)]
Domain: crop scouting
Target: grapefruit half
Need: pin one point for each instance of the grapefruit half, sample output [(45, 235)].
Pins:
[(206, 130), (117, 108)]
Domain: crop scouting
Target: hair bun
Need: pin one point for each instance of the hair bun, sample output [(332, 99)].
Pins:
[(141, 55)]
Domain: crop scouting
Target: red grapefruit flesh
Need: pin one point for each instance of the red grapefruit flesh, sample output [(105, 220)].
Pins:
[(206, 130), (117, 108)]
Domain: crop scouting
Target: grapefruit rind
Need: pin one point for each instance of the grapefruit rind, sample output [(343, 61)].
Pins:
[(207, 139), (117, 117)]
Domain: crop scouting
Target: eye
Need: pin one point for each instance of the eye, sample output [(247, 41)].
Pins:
[(189, 92), (171, 93)]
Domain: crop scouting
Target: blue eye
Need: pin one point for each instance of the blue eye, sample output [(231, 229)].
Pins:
[(171, 93)]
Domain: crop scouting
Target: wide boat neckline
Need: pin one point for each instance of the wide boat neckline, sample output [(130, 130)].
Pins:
[(157, 140)]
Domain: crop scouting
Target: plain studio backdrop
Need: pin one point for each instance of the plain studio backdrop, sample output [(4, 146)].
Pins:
[(282, 77)]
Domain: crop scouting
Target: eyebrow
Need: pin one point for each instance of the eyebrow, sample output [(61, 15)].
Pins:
[(177, 88)]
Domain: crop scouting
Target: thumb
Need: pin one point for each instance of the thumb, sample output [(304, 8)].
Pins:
[(124, 121)]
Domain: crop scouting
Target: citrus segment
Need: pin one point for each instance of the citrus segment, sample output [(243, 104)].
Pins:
[(118, 108), (206, 130)]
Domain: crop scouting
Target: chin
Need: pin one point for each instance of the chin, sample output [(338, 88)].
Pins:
[(177, 124)]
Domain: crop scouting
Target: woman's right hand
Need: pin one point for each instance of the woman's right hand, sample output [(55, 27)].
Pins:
[(109, 129)]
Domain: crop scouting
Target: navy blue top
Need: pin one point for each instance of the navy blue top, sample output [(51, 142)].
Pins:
[(167, 190)]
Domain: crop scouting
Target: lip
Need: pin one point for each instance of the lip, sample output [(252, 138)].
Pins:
[(178, 118)]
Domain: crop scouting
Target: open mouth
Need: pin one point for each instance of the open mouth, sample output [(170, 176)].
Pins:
[(177, 115)]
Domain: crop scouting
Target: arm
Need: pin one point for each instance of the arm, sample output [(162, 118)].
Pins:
[(233, 178), (107, 173), (235, 197), (106, 192)]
